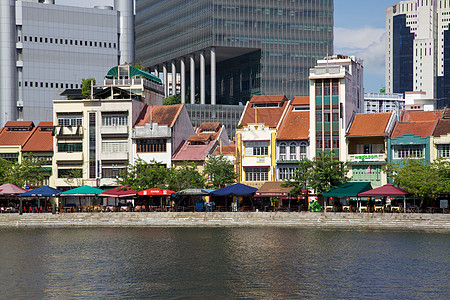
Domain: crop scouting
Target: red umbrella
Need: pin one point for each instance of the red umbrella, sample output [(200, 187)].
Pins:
[(156, 192), (11, 189), (119, 192)]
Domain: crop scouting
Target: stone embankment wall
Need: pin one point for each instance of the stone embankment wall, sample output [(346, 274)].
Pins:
[(216, 219)]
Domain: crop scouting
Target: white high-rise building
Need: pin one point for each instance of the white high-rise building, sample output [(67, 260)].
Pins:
[(47, 48), (418, 48)]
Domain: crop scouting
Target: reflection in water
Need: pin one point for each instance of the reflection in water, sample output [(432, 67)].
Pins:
[(223, 263)]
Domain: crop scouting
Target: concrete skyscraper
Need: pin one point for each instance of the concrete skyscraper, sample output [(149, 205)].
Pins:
[(47, 48), (227, 51), (418, 48)]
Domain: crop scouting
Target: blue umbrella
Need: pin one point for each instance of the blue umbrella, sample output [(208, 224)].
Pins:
[(234, 190), (43, 191)]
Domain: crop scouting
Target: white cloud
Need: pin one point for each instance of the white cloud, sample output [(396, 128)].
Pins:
[(368, 44)]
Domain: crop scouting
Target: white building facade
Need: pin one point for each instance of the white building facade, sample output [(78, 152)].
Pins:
[(383, 102), (47, 48), (336, 95), (418, 48)]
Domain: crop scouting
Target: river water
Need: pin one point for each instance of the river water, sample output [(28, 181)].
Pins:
[(218, 263)]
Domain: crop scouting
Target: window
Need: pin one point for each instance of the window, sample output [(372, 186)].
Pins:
[(318, 88), (303, 146), (326, 88), (70, 120), (326, 115), (156, 145), (74, 173), (282, 151), (319, 141), (112, 172), (401, 151), (368, 149), (292, 151), (14, 157), (335, 87), (335, 141), (256, 174), (110, 120), (335, 115), (70, 147), (256, 148), (114, 146), (286, 173), (318, 115), (444, 150), (327, 141)]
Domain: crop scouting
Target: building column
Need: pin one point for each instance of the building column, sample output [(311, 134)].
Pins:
[(192, 71), (213, 76), (166, 83), (202, 77), (174, 78), (183, 80), (155, 69)]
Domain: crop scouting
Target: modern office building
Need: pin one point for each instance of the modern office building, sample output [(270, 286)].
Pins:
[(418, 48), (336, 95), (47, 48), (227, 51), (383, 102)]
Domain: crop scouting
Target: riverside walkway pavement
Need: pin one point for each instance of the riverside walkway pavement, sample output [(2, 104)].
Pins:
[(411, 221)]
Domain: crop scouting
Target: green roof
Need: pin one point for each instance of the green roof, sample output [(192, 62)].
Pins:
[(114, 72), (84, 190), (349, 189)]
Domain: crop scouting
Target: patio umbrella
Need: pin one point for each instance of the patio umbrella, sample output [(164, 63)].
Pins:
[(43, 191), (237, 189), (83, 191), (11, 189), (194, 192), (387, 190), (119, 192)]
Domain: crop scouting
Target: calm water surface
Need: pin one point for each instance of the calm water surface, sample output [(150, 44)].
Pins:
[(218, 263)]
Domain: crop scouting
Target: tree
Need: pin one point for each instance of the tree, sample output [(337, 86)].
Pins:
[(29, 172), (421, 177), (321, 174), (73, 178), (174, 99), (86, 86), (137, 64), (185, 177), (143, 175), (219, 171)]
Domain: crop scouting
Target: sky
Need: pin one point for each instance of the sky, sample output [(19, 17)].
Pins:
[(359, 29)]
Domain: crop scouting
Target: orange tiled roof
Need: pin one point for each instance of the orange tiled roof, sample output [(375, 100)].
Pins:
[(226, 150), (442, 128), (295, 126), (41, 139), (418, 116), (270, 116), (446, 114), (303, 100), (211, 126), (422, 129), (8, 137), (260, 99), (369, 124), (19, 123), (161, 114)]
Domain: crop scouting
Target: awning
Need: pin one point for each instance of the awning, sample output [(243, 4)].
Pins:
[(84, 190), (43, 191), (194, 192), (349, 189), (119, 192), (385, 190), (156, 192), (273, 189), (235, 189)]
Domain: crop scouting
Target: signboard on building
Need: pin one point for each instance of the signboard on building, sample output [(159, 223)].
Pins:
[(367, 157)]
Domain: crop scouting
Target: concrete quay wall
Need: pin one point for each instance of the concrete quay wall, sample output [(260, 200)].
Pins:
[(439, 222)]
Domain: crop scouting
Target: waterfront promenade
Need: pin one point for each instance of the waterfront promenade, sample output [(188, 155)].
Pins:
[(416, 221)]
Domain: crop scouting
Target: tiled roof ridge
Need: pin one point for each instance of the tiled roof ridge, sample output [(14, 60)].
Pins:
[(32, 131), (175, 118)]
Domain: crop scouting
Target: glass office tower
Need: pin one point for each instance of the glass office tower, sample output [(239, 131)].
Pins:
[(226, 51)]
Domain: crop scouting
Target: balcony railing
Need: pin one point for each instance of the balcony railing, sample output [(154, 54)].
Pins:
[(377, 157)]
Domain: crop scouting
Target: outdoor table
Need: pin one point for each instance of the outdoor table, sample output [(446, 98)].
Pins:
[(330, 208), (346, 208), (395, 208), (378, 208)]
